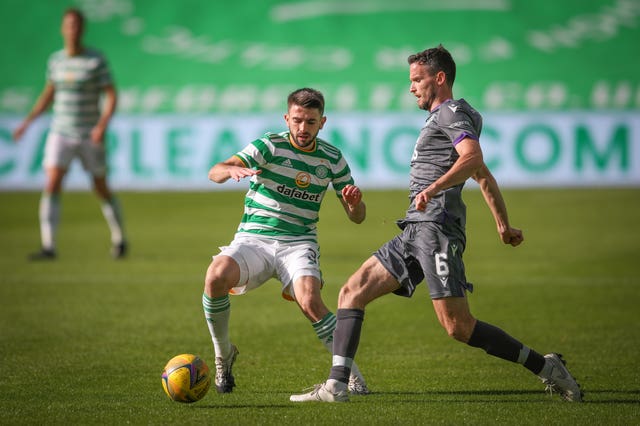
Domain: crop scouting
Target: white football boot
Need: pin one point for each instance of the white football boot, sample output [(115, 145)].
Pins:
[(224, 377), (357, 385), (559, 380), (329, 391)]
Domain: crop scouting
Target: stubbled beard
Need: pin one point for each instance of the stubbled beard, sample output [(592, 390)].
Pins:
[(297, 141), (425, 104)]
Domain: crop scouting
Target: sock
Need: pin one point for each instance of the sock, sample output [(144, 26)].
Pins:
[(324, 330), (49, 213), (346, 338), (545, 371), (113, 214), (496, 342), (217, 311)]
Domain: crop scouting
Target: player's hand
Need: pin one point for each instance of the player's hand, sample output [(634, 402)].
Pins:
[(236, 173), (19, 131), (422, 199), (512, 236), (97, 134), (352, 195)]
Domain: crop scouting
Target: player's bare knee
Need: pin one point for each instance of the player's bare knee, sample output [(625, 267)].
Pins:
[(456, 334), (349, 296), (459, 331), (219, 279)]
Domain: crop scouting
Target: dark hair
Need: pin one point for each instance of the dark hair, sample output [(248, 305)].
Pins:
[(77, 13), (437, 59), (307, 98)]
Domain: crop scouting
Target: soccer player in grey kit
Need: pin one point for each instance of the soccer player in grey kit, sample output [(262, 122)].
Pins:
[(433, 239)]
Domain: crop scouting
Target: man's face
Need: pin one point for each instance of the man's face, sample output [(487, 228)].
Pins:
[(423, 85), (71, 28), (304, 124)]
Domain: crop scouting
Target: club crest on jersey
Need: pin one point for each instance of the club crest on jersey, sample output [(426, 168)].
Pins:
[(303, 180), (322, 171)]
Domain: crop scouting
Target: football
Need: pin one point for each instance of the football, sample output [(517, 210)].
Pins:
[(186, 378)]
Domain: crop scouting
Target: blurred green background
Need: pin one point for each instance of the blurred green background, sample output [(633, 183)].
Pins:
[(557, 84), (198, 56)]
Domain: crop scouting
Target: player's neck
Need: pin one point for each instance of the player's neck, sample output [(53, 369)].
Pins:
[(73, 49), (436, 104)]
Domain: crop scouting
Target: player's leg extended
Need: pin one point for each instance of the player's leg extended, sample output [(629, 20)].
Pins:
[(454, 315)]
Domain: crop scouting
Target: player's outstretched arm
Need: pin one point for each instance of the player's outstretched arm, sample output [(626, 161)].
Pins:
[(44, 100), (353, 205), (493, 198), (232, 168)]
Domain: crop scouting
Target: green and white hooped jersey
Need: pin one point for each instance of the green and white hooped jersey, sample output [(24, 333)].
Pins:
[(284, 200), (78, 82)]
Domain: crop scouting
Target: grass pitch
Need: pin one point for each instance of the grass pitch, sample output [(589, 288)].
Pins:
[(83, 340)]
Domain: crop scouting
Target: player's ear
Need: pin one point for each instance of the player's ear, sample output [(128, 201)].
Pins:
[(322, 121)]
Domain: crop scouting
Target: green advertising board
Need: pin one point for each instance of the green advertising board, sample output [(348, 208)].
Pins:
[(175, 151), (201, 56)]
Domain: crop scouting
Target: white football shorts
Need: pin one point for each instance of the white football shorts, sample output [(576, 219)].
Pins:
[(60, 150), (261, 259)]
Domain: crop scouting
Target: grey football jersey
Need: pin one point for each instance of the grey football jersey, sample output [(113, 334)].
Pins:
[(433, 156)]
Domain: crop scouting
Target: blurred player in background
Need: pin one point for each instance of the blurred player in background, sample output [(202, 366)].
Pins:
[(289, 173), (77, 76), (433, 239)]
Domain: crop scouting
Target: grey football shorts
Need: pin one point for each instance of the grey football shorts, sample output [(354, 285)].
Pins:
[(424, 251)]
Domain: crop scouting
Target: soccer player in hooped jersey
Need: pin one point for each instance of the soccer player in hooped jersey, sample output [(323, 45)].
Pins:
[(289, 173), (77, 76), (433, 239)]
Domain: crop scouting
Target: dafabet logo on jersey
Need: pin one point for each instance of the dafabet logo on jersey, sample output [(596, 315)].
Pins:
[(296, 193)]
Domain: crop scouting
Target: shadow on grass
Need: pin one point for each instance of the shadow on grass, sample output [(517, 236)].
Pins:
[(603, 396), (244, 405)]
